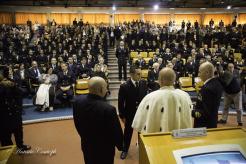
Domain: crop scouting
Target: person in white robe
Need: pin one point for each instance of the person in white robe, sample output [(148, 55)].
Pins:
[(42, 97), (166, 109)]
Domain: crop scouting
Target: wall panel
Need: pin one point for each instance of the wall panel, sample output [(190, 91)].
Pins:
[(5, 18), (242, 18), (157, 18), (226, 18), (21, 18), (191, 17), (120, 18)]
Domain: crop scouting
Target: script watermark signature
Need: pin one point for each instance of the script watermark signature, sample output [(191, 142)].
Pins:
[(38, 150)]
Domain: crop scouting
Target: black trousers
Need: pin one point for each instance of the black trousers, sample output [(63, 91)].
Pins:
[(120, 66), (127, 134), (111, 41), (11, 125), (98, 155), (64, 95), (52, 96)]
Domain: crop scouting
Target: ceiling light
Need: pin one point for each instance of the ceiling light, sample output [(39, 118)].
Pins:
[(229, 7), (156, 7), (113, 8)]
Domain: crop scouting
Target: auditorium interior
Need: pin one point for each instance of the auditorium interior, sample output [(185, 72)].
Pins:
[(52, 48)]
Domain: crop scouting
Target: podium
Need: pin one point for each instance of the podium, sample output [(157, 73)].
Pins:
[(158, 148), (8, 155)]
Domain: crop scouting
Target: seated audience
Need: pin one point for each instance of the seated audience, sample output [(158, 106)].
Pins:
[(65, 84), (153, 77)]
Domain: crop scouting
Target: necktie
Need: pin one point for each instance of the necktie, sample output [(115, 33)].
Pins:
[(137, 84)]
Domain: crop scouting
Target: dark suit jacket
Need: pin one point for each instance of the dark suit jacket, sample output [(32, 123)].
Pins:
[(66, 80), (55, 69), (130, 97), (34, 76), (208, 104), (84, 70), (140, 63), (152, 78), (99, 128), (73, 68), (122, 55), (19, 81)]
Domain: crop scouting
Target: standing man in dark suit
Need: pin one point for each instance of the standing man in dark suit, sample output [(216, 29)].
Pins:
[(75, 22), (11, 112), (29, 23), (97, 124), (122, 55), (130, 95), (80, 23), (208, 102)]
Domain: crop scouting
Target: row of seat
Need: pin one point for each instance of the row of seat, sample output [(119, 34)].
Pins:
[(148, 55), (134, 54), (186, 84)]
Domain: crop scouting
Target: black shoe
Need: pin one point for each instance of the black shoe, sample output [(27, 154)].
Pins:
[(24, 147), (240, 124), (123, 155), (221, 121)]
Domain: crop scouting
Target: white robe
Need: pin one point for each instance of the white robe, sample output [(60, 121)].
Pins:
[(163, 111), (43, 95)]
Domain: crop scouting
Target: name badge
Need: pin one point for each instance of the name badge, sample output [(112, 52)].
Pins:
[(190, 132)]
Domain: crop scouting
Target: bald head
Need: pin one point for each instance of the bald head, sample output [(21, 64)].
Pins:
[(97, 86), (167, 77), (206, 71)]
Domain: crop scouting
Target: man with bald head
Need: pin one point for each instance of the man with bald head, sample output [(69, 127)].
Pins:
[(97, 124), (165, 109), (208, 101)]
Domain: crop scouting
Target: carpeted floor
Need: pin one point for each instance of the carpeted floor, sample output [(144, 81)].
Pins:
[(30, 114)]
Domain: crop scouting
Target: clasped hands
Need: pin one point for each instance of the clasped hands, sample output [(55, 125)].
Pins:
[(65, 88)]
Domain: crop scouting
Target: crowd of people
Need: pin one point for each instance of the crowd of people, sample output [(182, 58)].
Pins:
[(65, 52), (46, 61)]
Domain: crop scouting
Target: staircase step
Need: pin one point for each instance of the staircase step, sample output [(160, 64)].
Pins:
[(114, 87), (112, 68), (114, 91), (115, 72), (115, 75), (114, 81), (113, 64)]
